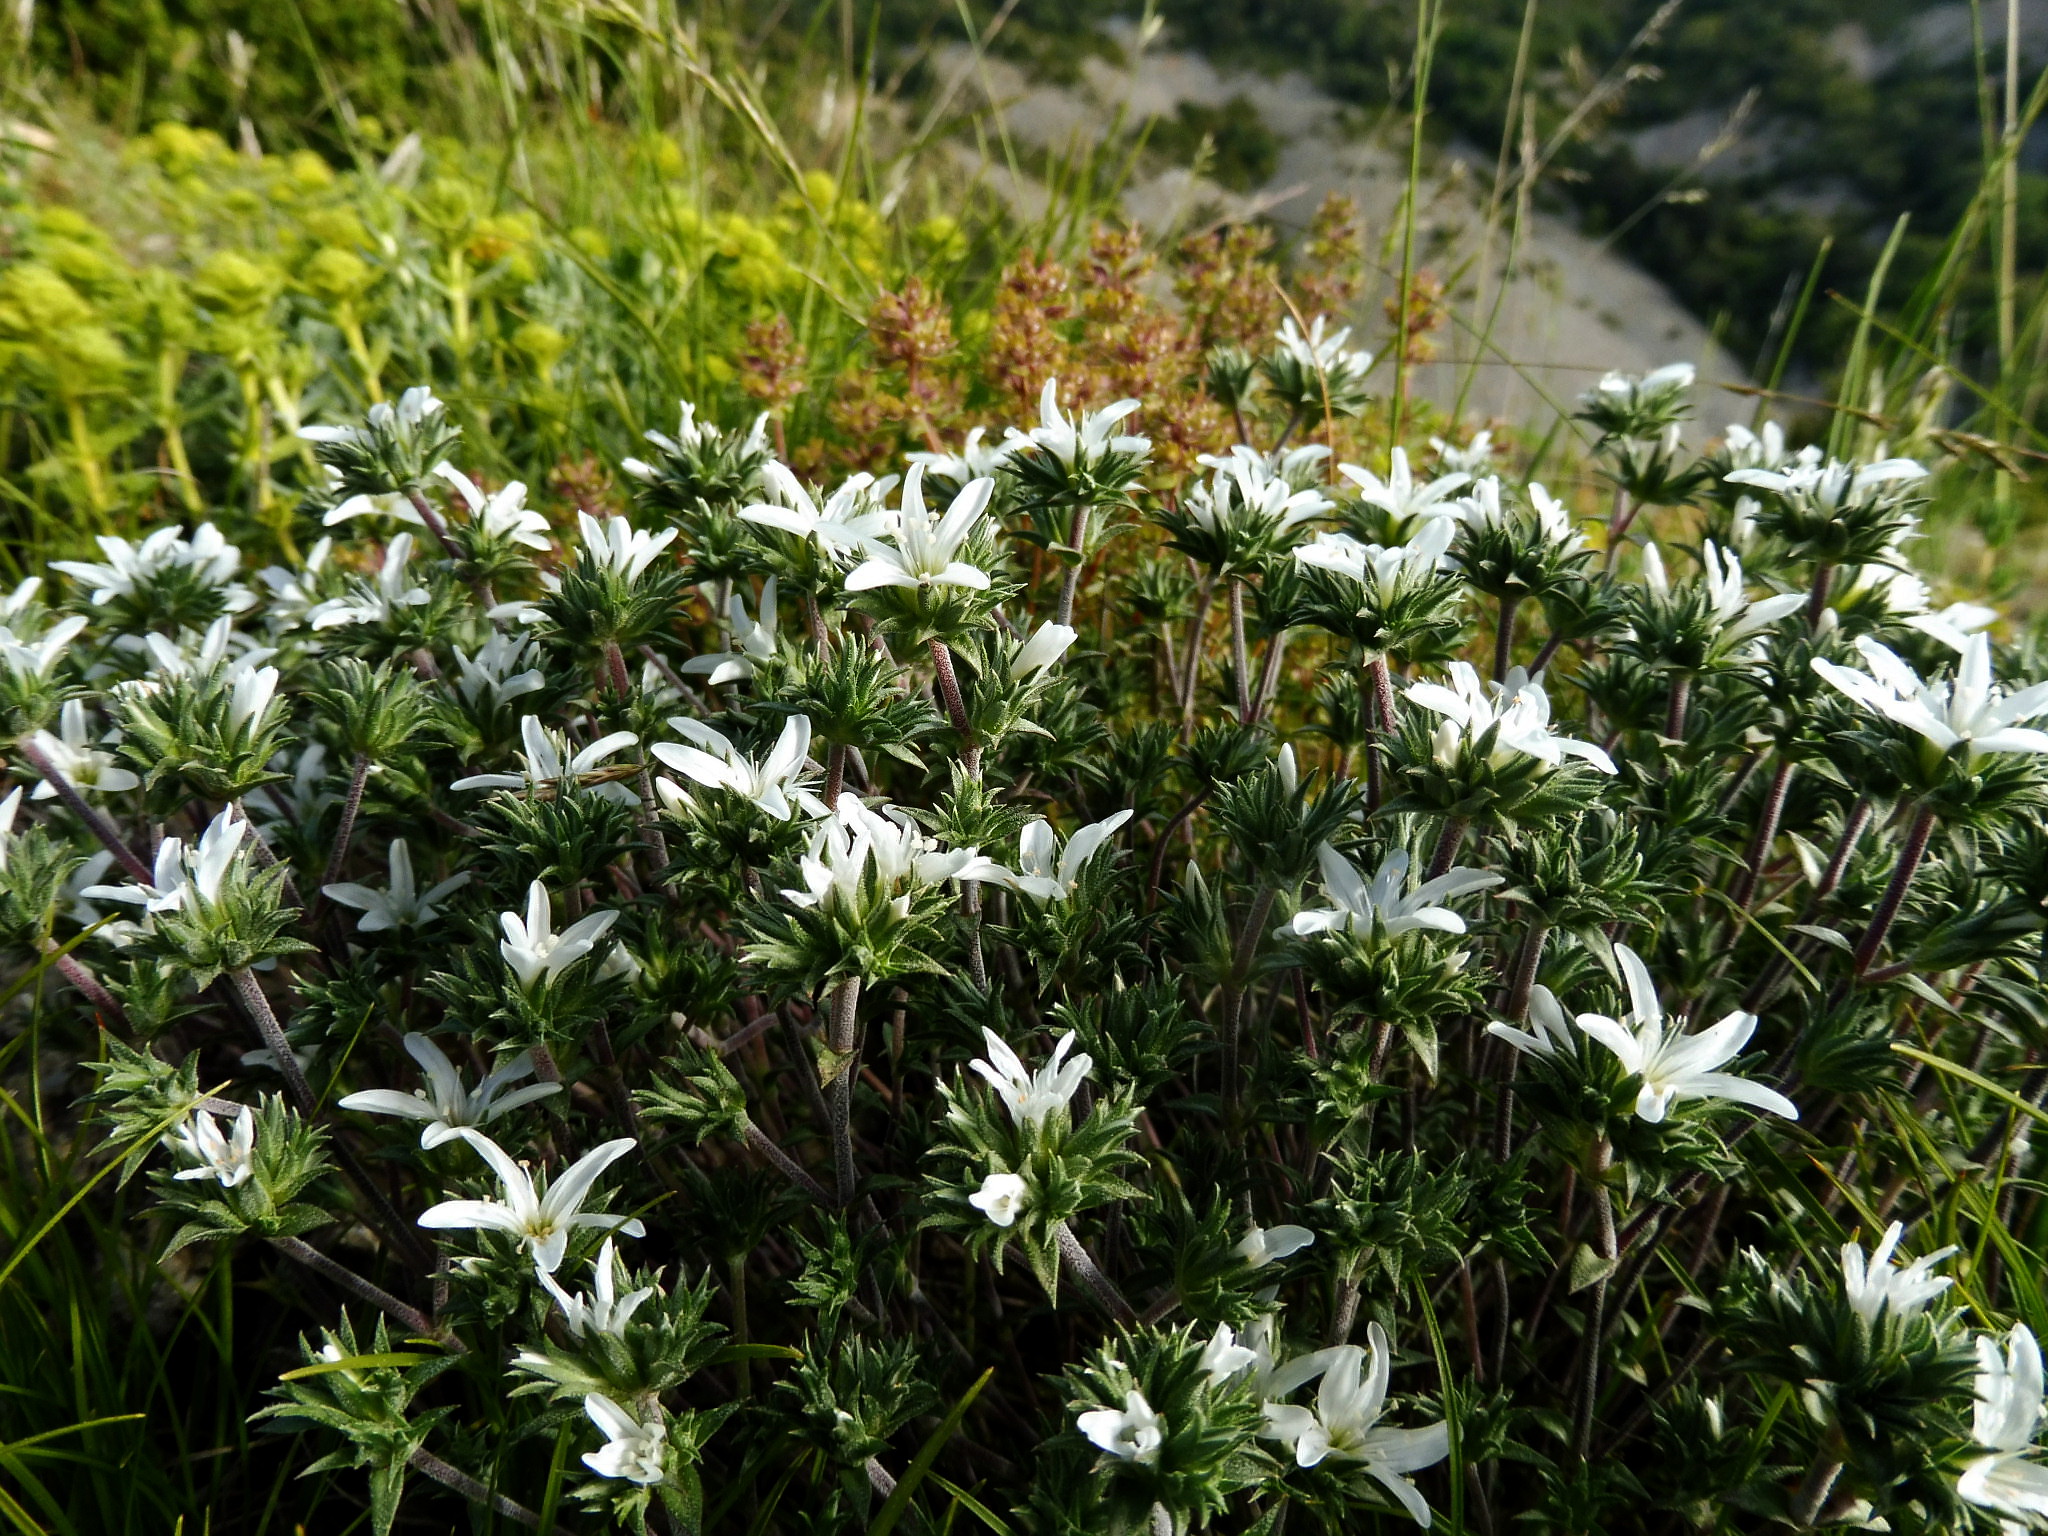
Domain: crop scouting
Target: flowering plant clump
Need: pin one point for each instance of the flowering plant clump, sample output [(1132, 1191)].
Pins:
[(1075, 986)]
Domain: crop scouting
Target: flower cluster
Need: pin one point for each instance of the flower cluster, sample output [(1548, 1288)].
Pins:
[(1117, 980)]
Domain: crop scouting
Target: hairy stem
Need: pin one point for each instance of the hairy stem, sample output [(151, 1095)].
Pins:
[(1345, 1316), (351, 806), (786, 1165), (1240, 659), (432, 519), (1239, 993), (86, 984), (1917, 836), (1071, 583), (95, 823), (1305, 1014), (425, 1461), (1081, 1264), (1817, 602), (1674, 711), (1196, 627), (844, 1039), (1269, 677), (1617, 527), (970, 908), (956, 705), (251, 993), (364, 1290), (1596, 1315), (1157, 870), (1448, 843), (1528, 960), (835, 772), (615, 671), (1766, 832), (1504, 637)]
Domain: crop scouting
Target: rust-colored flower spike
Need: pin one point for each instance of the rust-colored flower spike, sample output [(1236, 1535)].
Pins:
[(913, 330), (1425, 314), (1118, 265), (1226, 282), (771, 365), (1330, 269), (586, 483), (1131, 346), (868, 418), (1025, 347)]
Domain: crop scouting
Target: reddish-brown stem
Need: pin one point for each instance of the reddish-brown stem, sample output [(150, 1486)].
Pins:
[(1766, 832), (1240, 659), (351, 806), (435, 525), (1081, 1264), (1305, 1014), (87, 984), (1269, 676), (1239, 993), (363, 1290), (1159, 849), (425, 1461), (1447, 844), (1917, 836), (835, 772), (1528, 961), (1504, 637), (1192, 674), (615, 670), (1674, 711), (1071, 583), (1817, 603), (956, 705), (95, 823)]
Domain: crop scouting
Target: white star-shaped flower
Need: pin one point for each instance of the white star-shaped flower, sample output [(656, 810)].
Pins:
[(1032, 1096), (1048, 873), (541, 1219), (553, 767), (1674, 1065), (774, 783), (1385, 903), (2006, 1419), (1001, 1198), (1131, 1433), (535, 952), (378, 601), (603, 1310), (398, 905), (442, 1102), (1518, 707), (1875, 1285), (73, 754), (1969, 710), (633, 1450), (923, 549), (1345, 1425), (229, 1158)]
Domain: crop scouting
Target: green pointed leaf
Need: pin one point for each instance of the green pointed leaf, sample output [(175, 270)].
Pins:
[(1588, 1268), (899, 1500)]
